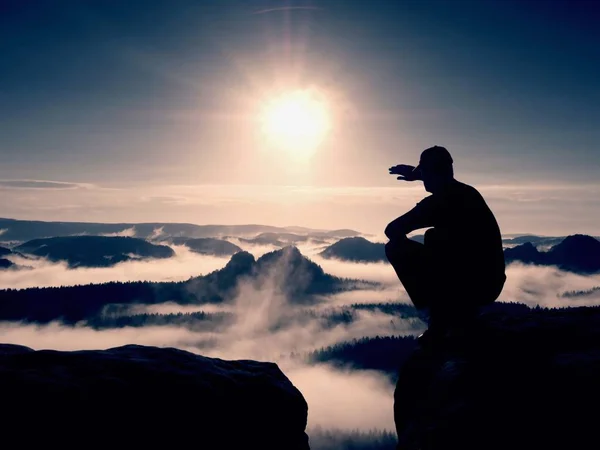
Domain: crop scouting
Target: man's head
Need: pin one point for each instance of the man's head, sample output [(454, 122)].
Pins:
[(435, 167)]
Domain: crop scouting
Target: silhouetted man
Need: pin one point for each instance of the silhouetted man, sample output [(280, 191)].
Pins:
[(460, 266)]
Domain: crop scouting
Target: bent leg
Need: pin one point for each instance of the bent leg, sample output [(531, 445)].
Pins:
[(408, 258)]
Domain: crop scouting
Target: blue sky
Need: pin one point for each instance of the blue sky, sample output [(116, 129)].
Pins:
[(154, 96)]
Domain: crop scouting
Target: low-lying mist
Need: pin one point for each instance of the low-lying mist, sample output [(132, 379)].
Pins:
[(337, 398), (544, 286), (342, 399), (43, 273)]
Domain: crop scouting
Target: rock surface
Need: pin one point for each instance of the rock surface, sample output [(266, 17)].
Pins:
[(136, 397), (518, 381)]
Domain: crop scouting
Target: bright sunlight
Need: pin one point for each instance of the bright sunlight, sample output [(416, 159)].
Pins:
[(296, 121)]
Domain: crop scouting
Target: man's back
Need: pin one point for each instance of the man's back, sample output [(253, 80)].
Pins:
[(466, 229)]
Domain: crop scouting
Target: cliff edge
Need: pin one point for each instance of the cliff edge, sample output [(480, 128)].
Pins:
[(522, 379), (136, 397)]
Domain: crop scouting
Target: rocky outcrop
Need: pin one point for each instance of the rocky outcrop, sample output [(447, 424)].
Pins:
[(146, 397), (516, 381)]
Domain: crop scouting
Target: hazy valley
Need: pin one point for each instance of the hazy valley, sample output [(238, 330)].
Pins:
[(277, 296)]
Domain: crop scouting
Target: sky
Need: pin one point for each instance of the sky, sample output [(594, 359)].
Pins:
[(153, 110)]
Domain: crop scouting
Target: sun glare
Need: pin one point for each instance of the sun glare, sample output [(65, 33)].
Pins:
[(296, 121)]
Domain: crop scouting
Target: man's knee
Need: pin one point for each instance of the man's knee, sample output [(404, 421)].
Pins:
[(405, 253), (396, 251), (390, 250)]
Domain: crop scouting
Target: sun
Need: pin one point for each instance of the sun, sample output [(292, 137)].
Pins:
[(296, 121)]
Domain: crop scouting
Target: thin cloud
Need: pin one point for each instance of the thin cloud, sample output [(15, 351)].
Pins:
[(41, 184), (156, 233), (127, 232), (287, 8)]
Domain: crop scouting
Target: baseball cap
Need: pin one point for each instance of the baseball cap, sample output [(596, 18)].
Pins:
[(435, 156)]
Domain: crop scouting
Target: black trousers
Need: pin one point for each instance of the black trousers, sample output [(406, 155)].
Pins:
[(440, 280), (451, 289)]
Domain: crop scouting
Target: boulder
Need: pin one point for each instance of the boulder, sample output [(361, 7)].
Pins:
[(519, 382), (135, 396)]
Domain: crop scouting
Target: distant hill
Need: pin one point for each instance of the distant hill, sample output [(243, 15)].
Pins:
[(578, 253), (344, 233), (286, 270), (276, 239), (341, 233), (94, 251), (297, 276), (6, 264), (208, 246), (537, 241), (359, 249), (289, 271), (526, 253), (356, 249), (25, 230), (420, 238)]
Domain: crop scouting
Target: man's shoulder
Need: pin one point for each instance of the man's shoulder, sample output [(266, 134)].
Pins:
[(465, 189), (463, 186), (427, 202)]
